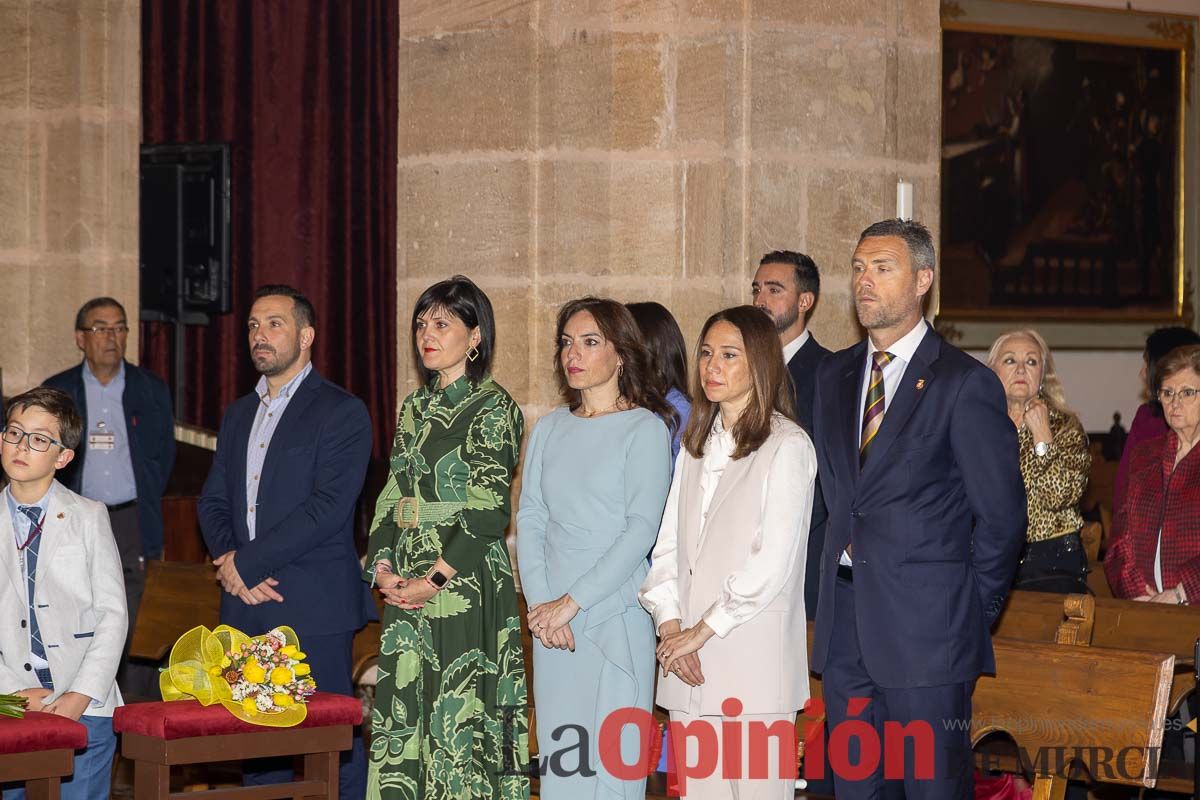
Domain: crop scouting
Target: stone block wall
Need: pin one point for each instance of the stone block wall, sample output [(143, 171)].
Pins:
[(70, 124), (652, 149)]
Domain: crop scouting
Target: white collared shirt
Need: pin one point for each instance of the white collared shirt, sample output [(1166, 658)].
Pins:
[(717, 450), (791, 348), (22, 527), (266, 420), (107, 473), (902, 350), (752, 585)]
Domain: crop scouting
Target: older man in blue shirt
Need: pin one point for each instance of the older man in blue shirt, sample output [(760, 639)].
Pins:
[(128, 446)]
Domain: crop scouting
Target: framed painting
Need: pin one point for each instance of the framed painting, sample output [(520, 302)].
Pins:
[(1066, 168)]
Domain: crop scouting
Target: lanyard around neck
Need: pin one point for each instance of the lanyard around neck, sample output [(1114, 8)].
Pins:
[(33, 533)]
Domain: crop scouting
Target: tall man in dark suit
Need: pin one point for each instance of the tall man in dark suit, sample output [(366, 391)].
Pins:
[(918, 463), (786, 287), (128, 447), (277, 509)]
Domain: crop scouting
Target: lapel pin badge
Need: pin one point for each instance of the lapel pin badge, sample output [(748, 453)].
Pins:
[(920, 384), (61, 515)]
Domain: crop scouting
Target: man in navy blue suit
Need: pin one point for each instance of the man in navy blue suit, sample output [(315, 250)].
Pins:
[(786, 287), (277, 509), (919, 468)]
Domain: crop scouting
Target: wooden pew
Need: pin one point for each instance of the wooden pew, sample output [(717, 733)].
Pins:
[(1091, 536), (1098, 581), (180, 596), (1108, 622), (1038, 616), (1092, 701), (1045, 695), (1130, 625), (1120, 625)]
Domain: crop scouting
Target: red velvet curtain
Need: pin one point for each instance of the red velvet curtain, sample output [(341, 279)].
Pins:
[(306, 93)]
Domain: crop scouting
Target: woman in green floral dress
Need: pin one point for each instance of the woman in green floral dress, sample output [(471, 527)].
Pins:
[(449, 720)]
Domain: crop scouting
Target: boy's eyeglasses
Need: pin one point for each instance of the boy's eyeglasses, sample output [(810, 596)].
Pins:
[(37, 441)]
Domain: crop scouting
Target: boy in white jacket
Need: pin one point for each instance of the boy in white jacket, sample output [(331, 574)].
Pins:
[(62, 595)]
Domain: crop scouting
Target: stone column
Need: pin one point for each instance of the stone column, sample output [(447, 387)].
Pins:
[(653, 149), (70, 125)]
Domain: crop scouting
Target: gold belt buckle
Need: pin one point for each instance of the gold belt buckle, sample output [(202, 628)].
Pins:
[(408, 512)]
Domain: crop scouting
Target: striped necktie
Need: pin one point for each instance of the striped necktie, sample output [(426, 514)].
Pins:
[(873, 409), (34, 514)]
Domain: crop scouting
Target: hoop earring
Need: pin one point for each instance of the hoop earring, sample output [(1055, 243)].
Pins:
[(620, 370), (473, 353)]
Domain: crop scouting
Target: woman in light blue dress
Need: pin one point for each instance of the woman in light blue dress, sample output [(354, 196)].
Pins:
[(595, 481)]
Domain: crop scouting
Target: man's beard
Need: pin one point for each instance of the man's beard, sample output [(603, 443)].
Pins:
[(274, 365), (786, 320), (879, 317)]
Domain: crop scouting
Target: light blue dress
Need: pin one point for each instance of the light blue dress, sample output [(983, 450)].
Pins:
[(592, 498)]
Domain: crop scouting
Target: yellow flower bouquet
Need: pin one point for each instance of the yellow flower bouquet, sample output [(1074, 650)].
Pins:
[(261, 680)]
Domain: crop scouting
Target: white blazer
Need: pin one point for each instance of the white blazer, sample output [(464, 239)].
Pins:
[(81, 603), (741, 570)]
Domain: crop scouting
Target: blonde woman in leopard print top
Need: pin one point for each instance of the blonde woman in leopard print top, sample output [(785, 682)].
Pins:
[(1054, 462)]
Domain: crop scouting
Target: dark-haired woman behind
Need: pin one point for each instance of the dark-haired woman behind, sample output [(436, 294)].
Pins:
[(668, 356), (595, 479), (727, 585), (451, 658)]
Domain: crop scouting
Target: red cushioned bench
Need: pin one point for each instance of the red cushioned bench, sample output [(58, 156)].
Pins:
[(39, 750), (158, 736)]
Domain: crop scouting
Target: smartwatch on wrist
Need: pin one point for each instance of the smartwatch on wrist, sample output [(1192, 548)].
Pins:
[(436, 579)]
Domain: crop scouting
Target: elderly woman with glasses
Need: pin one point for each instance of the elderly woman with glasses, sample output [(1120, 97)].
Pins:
[(1155, 552)]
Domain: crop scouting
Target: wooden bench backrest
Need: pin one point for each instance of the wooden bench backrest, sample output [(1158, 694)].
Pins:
[(1117, 624), (1091, 535), (178, 597), (1130, 625), (1046, 696), (1039, 617), (1098, 581)]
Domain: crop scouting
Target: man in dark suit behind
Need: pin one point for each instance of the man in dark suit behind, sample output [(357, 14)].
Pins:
[(128, 448), (786, 287), (277, 508), (919, 467)]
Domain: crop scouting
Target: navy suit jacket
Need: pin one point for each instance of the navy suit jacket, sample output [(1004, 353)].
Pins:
[(150, 423), (803, 369), (936, 517), (304, 531)]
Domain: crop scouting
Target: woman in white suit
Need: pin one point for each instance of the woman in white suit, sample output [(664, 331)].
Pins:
[(726, 588)]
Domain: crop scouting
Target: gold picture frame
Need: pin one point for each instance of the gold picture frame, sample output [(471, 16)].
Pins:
[(1070, 271)]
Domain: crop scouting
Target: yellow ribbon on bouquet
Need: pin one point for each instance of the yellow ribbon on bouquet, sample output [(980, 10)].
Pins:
[(198, 666)]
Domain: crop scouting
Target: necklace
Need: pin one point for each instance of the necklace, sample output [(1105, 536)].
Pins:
[(589, 414)]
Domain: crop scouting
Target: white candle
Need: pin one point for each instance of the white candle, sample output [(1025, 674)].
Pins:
[(904, 199)]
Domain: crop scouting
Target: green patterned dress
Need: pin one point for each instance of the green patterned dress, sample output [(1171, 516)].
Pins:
[(449, 720)]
